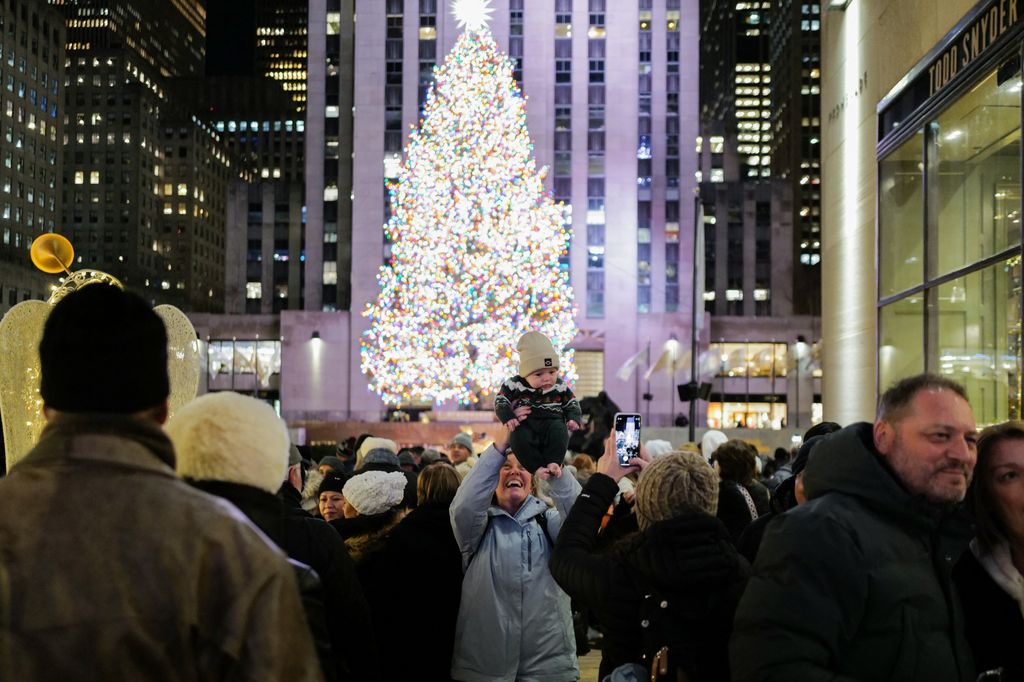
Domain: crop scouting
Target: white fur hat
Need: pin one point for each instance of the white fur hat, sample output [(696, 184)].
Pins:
[(375, 492), (226, 436), (657, 448), (710, 442), (372, 443)]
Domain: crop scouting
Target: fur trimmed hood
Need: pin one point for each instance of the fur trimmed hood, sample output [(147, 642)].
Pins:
[(226, 436), (371, 532)]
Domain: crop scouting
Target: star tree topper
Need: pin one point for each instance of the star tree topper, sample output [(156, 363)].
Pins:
[(472, 15)]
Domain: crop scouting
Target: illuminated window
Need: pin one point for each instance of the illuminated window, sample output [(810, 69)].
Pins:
[(79, 177), (253, 290)]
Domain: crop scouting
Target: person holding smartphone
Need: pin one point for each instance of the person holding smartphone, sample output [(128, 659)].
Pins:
[(665, 595)]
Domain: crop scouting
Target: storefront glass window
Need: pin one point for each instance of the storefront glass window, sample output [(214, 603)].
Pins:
[(739, 415), (977, 338), (900, 345), (757, 359), (901, 219), (975, 194)]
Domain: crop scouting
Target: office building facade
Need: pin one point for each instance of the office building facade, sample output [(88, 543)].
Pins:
[(31, 151), (922, 200), (605, 82), (755, 178)]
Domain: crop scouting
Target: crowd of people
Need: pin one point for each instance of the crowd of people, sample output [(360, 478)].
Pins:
[(135, 545)]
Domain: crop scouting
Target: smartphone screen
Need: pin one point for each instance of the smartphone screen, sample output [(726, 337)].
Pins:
[(627, 436)]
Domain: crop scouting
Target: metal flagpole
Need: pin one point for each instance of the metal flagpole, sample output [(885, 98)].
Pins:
[(698, 235)]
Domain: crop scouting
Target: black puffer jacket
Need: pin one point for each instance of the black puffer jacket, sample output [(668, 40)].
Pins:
[(414, 584), (855, 584), (675, 584)]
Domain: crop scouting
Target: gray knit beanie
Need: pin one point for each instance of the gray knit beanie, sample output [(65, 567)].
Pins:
[(672, 484)]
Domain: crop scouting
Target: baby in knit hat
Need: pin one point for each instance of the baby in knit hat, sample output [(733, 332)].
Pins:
[(536, 406)]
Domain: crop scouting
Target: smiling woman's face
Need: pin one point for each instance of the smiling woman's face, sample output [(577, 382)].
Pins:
[(513, 485)]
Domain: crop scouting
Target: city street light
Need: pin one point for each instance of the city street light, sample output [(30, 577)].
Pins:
[(799, 351)]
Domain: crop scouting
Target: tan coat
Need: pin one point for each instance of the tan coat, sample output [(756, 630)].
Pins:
[(112, 568)]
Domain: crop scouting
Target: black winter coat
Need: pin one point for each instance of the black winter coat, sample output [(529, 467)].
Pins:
[(854, 584), (675, 584), (414, 583), (993, 621), (316, 544), (733, 509)]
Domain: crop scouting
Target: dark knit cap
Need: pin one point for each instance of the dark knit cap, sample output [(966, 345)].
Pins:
[(103, 350), (334, 481), (333, 462)]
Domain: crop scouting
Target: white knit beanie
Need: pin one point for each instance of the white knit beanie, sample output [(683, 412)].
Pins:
[(535, 352), (375, 492), (372, 443), (230, 437)]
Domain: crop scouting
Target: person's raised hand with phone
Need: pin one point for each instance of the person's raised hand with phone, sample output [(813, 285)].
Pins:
[(608, 464)]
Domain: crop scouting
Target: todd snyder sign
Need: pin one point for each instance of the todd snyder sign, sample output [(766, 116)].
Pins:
[(971, 42), (987, 29)]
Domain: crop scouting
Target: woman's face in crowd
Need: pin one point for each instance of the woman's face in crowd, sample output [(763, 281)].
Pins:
[(513, 484), (331, 505), (348, 510), (1005, 478)]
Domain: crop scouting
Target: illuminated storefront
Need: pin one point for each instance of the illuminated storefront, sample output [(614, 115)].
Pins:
[(949, 214)]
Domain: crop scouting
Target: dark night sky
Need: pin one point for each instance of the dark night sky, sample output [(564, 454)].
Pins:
[(230, 37)]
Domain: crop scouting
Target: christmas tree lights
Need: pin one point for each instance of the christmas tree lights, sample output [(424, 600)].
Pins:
[(476, 240)]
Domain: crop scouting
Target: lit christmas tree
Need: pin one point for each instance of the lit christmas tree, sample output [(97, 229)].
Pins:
[(476, 239)]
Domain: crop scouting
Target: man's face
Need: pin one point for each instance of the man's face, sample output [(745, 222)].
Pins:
[(513, 484), (932, 448), (458, 453), (325, 469)]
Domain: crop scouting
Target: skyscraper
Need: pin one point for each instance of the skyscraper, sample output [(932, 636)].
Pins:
[(762, 304), (796, 137), (133, 150), (611, 103), (31, 152), (255, 96)]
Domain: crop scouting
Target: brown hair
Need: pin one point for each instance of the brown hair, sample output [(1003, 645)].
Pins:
[(736, 461), (583, 463), (894, 402), (437, 483), (980, 500)]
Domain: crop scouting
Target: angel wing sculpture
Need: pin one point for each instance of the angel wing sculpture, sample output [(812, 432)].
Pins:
[(21, 330)]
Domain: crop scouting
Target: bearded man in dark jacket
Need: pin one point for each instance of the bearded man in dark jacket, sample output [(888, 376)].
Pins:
[(855, 584), (674, 584)]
